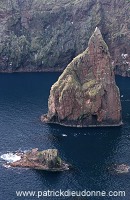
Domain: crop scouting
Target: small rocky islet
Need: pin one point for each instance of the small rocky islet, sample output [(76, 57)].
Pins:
[(47, 160), (119, 169), (86, 94)]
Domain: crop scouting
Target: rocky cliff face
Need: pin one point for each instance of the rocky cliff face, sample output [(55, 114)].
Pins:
[(86, 93), (47, 35)]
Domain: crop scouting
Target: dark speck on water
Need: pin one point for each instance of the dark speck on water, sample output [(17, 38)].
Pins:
[(23, 99)]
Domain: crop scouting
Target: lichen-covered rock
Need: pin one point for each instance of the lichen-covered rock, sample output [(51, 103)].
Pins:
[(86, 93)]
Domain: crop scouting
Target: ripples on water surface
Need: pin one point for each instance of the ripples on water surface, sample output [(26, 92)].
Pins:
[(23, 98)]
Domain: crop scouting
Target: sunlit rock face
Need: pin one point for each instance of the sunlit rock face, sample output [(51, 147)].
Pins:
[(86, 93)]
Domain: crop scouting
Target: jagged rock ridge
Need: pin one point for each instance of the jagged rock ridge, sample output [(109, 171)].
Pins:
[(86, 93)]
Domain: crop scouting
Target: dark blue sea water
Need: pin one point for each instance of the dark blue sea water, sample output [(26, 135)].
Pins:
[(23, 99)]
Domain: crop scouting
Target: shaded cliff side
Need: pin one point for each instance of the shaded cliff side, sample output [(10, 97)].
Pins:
[(86, 93), (47, 35)]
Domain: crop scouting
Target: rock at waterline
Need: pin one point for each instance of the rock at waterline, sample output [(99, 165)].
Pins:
[(47, 160), (86, 93), (119, 169)]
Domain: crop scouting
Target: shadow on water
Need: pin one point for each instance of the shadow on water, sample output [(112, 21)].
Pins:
[(86, 142), (48, 175)]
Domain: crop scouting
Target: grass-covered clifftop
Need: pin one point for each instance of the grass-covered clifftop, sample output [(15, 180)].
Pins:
[(47, 34)]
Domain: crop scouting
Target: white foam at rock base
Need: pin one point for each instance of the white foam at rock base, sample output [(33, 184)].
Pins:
[(10, 157)]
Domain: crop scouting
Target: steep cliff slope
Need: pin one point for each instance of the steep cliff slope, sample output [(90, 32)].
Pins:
[(86, 93), (48, 34)]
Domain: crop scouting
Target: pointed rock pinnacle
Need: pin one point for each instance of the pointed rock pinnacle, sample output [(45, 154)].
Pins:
[(86, 93)]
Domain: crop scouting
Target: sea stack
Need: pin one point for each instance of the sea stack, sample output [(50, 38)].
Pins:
[(86, 94)]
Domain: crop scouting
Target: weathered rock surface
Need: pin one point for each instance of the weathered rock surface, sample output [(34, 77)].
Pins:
[(47, 160), (46, 35), (86, 93)]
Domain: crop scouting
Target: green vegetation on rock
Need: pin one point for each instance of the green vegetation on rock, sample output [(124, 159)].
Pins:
[(57, 31)]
